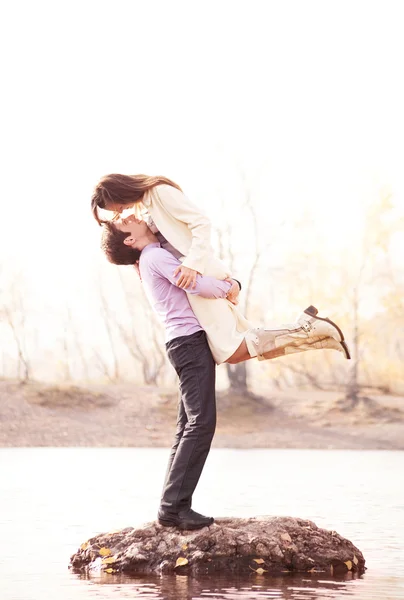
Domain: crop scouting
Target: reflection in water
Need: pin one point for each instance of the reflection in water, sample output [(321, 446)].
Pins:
[(254, 588), (182, 587)]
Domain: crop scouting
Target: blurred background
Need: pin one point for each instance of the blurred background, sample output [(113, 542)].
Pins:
[(282, 120)]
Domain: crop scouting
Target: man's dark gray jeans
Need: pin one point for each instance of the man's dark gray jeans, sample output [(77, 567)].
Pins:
[(196, 369)]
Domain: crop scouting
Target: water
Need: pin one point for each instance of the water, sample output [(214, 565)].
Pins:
[(53, 499)]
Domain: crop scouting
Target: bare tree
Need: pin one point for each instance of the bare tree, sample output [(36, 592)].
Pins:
[(72, 347), (150, 357), (14, 314), (238, 373), (375, 241), (67, 375), (106, 318)]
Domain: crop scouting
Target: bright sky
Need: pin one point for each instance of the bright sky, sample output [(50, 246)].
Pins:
[(308, 95)]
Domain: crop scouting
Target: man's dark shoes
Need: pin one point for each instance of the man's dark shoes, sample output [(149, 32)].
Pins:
[(185, 519)]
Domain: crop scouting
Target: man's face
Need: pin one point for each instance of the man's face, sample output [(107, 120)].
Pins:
[(134, 227)]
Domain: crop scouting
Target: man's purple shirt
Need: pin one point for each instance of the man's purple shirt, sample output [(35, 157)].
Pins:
[(170, 302)]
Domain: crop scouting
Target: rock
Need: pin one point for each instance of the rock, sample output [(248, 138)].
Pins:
[(262, 544)]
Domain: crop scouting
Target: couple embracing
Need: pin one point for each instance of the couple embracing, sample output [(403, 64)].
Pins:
[(167, 238)]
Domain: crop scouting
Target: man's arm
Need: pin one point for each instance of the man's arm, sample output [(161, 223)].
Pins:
[(164, 264)]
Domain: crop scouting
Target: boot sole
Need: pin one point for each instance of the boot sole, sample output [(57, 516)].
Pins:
[(181, 526), (346, 350), (313, 312)]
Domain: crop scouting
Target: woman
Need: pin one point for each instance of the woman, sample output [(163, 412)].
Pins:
[(185, 231)]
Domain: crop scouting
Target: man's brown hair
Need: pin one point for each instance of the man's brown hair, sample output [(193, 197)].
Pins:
[(112, 242)]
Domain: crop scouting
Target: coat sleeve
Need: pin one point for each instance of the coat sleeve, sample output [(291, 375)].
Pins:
[(179, 206)]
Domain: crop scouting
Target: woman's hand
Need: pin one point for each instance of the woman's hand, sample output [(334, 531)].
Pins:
[(187, 277), (234, 291)]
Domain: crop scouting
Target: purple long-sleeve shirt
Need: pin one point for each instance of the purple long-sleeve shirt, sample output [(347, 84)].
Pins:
[(170, 302)]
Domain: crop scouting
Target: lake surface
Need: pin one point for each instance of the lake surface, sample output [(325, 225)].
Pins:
[(53, 499)]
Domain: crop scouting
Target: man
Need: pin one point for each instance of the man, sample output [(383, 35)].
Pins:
[(129, 241)]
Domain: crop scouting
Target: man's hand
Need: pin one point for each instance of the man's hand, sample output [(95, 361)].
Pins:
[(234, 291), (187, 277)]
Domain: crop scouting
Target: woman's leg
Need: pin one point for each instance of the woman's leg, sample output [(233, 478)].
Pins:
[(240, 355), (308, 333)]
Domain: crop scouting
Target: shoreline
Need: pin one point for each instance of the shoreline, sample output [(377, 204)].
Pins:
[(127, 415)]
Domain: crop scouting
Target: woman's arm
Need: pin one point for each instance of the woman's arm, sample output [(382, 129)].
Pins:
[(181, 207)]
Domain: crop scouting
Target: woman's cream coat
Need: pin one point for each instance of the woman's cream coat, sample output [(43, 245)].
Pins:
[(188, 230)]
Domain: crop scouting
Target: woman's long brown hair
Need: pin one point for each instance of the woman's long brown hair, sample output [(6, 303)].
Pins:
[(123, 189)]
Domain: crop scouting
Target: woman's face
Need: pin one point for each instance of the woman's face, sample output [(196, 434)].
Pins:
[(118, 207)]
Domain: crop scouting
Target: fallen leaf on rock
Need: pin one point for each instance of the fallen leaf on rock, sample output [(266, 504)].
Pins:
[(184, 547), (84, 546), (259, 561), (355, 560), (109, 570), (104, 551), (108, 561), (348, 564), (181, 561)]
